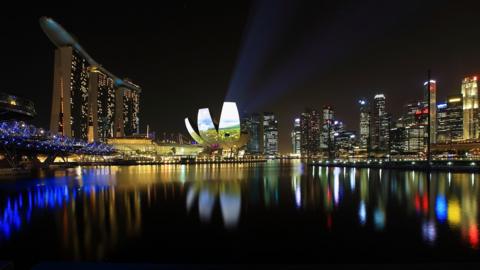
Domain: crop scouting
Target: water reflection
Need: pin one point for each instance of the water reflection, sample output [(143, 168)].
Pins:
[(226, 193), (96, 211)]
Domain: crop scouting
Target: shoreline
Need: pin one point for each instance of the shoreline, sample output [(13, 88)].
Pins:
[(417, 165)]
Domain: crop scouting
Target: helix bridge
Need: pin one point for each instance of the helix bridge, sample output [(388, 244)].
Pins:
[(19, 139)]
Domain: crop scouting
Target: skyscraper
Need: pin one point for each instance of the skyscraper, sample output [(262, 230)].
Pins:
[(470, 108), (310, 129), (253, 125), (327, 128), (70, 103), (127, 108), (433, 107), (364, 124), (270, 134), (102, 103), (454, 120), (296, 136), (379, 125), (443, 131)]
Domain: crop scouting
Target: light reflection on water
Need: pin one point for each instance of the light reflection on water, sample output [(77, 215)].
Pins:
[(95, 210)]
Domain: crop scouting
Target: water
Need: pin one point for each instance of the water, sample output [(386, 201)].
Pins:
[(273, 213)]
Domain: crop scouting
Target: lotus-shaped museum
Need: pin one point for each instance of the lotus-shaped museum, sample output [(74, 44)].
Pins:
[(227, 134)]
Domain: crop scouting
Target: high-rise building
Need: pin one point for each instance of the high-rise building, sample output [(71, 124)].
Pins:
[(88, 102), (254, 126), (364, 137), (450, 120), (398, 140), (310, 129), (296, 136), (443, 131), (433, 107), (127, 120), (455, 117), (344, 141), (102, 99), (270, 134), (379, 125), (326, 138), (70, 103), (470, 108)]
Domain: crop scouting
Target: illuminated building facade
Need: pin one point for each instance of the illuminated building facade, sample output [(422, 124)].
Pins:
[(364, 137), (433, 107), (70, 103), (470, 108), (310, 129), (296, 136), (454, 120), (398, 140), (443, 132), (127, 121), (379, 125), (270, 134), (86, 103), (344, 141), (102, 99), (327, 128), (253, 126), (450, 120)]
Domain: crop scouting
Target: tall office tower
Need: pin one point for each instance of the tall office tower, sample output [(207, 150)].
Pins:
[(398, 140), (470, 108), (253, 126), (326, 138), (296, 136), (379, 124), (70, 107), (270, 134), (364, 124), (433, 107), (443, 131), (344, 141), (310, 129), (127, 109), (102, 99), (415, 138), (455, 117)]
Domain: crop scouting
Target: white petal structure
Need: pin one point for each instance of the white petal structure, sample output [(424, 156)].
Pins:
[(228, 133), (229, 126), (207, 129), (192, 132)]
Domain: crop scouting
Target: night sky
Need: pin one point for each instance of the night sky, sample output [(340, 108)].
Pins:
[(279, 56)]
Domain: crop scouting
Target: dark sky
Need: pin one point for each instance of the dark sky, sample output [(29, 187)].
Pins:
[(279, 56)]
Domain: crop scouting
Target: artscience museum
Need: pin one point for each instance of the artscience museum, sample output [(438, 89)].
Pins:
[(224, 136)]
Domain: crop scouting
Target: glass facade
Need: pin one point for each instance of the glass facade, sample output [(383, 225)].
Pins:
[(296, 137), (380, 125), (253, 126), (470, 108), (270, 134), (364, 125), (310, 129)]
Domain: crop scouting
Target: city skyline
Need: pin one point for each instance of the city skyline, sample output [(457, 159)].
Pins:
[(400, 78)]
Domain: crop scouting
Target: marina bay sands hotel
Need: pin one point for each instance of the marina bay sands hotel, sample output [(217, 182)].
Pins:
[(88, 101)]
